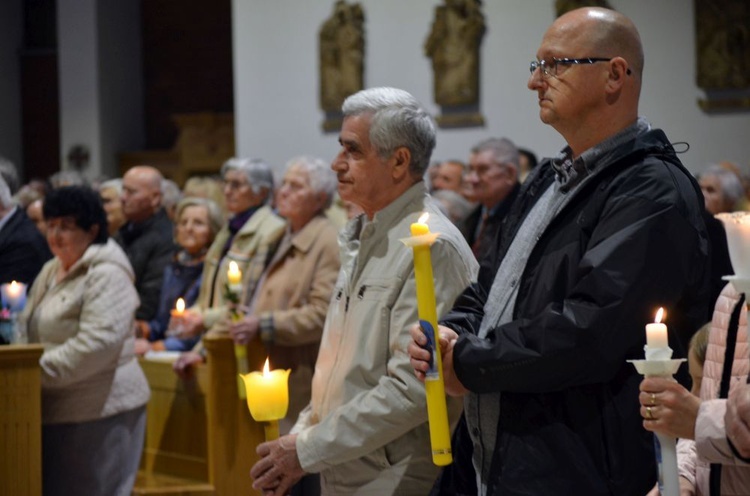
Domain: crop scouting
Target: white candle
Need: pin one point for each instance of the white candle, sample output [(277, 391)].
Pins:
[(234, 275), (656, 333), (737, 227), (14, 295)]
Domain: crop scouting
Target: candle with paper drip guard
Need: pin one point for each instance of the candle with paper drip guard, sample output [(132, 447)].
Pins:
[(437, 412), (13, 295), (234, 291), (737, 228), (268, 397), (659, 363)]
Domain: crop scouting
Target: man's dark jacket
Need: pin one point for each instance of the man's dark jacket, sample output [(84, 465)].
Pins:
[(631, 240), (23, 249), (149, 246), (491, 231)]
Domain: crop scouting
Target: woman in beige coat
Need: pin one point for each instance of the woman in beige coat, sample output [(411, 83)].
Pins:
[(287, 311), (82, 308)]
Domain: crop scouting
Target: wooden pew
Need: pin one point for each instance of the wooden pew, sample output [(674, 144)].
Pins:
[(232, 433), (200, 438), (20, 420), (175, 456)]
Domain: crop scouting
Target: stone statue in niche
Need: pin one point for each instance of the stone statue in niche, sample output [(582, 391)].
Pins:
[(565, 6), (723, 43), (342, 53), (453, 45)]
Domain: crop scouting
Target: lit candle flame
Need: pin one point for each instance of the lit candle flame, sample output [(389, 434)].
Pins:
[(14, 289), (659, 315), (423, 218), (180, 305), (266, 371), (233, 267)]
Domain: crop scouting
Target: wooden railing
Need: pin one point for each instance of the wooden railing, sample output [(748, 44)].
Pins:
[(200, 438), (20, 420)]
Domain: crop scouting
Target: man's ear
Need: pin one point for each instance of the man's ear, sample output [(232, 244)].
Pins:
[(401, 160), (618, 73)]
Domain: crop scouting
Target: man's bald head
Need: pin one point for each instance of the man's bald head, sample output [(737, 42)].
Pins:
[(606, 33), (141, 193), (587, 101)]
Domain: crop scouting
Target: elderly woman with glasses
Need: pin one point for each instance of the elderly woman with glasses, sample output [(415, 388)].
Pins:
[(253, 229), (82, 309)]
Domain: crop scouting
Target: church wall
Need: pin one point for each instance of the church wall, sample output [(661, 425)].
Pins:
[(275, 55)]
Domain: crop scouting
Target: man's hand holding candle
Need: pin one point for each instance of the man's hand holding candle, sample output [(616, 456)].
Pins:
[(279, 467), (420, 357)]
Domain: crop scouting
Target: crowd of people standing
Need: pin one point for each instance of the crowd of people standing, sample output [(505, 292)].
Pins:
[(544, 277)]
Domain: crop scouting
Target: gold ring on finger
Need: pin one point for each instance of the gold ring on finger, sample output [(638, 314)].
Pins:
[(653, 399), (649, 415)]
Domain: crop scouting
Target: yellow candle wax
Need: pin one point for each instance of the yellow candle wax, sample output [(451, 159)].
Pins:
[(234, 285), (267, 393), (437, 411)]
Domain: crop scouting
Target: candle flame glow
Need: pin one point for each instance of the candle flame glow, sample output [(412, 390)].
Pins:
[(180, 305), (659, 315), (423, 218), (266, 371), (233, 267)]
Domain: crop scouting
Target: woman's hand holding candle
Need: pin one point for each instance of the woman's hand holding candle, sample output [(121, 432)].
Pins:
[(420, 357), (245, 330), (188, 325), (672, 408)]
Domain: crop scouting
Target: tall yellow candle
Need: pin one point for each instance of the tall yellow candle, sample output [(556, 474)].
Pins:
[(268, 397), (234, 289), (437, 411)]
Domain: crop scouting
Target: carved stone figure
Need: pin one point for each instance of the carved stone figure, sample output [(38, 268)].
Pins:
[(342, 47), (723, 43), (453, 45)]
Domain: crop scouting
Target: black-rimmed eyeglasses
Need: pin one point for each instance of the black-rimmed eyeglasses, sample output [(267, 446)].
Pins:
[(549, 68)]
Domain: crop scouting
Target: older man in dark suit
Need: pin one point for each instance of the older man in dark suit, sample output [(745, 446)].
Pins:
[(23, 250)]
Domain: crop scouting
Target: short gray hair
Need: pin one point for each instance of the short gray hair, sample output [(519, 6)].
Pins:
[(9, 174), (321, 176), (115, 184), (731, 186), (397, 120), (215, 215), (170, 193), (6, 199), (503, 149), (259, 174)]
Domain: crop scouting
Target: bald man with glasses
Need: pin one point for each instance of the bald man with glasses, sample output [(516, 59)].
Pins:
[(599, 237)]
